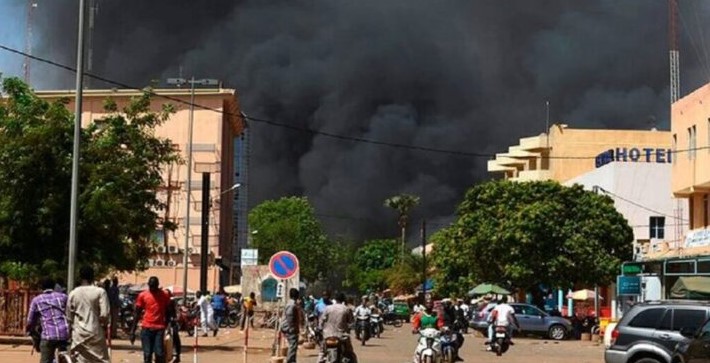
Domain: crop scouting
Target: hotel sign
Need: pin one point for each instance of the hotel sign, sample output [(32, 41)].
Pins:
[(634, 154)]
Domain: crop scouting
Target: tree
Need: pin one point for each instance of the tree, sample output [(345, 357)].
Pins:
[(406, 276), (290, 224), (526, 234), (371, 263), (403, 204), (120, 170)]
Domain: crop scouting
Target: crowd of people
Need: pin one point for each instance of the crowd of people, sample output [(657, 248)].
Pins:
[(83, 321)]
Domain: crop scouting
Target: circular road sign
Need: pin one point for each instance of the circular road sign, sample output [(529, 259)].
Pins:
[(283, 265)]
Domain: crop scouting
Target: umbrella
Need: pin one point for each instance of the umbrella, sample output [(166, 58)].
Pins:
[(582, 295), (484, 289)]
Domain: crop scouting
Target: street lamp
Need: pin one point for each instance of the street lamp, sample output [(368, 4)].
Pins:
[(235, 186), (192, 82)]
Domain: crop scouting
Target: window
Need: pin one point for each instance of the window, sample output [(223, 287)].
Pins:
[(666, 322), (657, 227), (528, 310), (705, 330), (675, 146), (268, 290), (690, 143), (687, 318), (647, 318)]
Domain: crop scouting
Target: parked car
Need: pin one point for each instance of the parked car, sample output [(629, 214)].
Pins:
[(532, 321), (479, 320), (650, 331)]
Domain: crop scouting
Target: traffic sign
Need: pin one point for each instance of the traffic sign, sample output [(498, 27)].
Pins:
[(283, 265)]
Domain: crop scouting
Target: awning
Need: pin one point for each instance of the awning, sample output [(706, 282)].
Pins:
[(691, 287), (233, 289)]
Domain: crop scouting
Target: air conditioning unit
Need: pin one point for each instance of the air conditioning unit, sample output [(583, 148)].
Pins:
[(160, 249), (151, 262), (173, 249), (159, 263), (171, 263)]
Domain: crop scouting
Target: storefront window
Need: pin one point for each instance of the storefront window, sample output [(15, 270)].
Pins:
[(680, 267)]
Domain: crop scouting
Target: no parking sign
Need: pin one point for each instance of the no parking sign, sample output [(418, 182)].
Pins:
[(283, 265)]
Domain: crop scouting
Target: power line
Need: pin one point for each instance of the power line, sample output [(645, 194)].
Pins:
[(300, 128), (639, 205)]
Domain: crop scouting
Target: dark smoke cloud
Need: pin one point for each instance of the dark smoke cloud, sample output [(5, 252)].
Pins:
[(460, 75)]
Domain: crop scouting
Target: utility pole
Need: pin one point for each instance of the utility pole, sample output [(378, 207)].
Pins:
[(424, 257), (31, 6), (188, 184), (673, 50), (75, 155)]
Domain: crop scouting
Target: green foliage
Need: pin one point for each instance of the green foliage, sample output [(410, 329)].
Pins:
[(371, 263), (120, 170), (405, 277), (290, 224), (523, 234)]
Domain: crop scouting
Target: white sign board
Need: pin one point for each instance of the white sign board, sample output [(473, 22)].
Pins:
[(697, 238), (250, 257)]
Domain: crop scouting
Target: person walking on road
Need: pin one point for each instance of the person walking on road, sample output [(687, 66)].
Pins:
[(114, 302), (291, 324), (219, 306), (152, 304), (206, 314), (49, 308), (88, 315), (248, 310)]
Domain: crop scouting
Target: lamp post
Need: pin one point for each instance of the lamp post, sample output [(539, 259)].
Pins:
[(231, 264), (71, 260), (192, 82)]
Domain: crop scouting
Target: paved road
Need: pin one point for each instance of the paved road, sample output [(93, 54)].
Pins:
[(395, 346)]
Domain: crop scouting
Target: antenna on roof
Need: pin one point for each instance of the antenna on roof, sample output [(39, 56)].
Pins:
[(547, 122)]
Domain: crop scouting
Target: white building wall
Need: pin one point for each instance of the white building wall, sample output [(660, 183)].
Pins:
[(640, 191)]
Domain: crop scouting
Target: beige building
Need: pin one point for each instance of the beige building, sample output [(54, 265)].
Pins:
[(564, 153), (216, 125), (690, 128)]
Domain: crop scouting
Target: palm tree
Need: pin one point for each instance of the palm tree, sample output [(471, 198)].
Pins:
[(403, 204)]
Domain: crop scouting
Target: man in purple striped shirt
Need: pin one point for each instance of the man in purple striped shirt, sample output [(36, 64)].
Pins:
[(49, 308)]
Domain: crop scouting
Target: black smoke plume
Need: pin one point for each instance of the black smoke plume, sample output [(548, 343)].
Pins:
[(461, 75)]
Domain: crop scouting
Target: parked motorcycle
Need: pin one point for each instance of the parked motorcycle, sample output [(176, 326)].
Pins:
[(375, 325), (336, 350), (390, 318), (501, 340), (126, 314), (313, 332), (429, 346), (362, 328), (188, 319)]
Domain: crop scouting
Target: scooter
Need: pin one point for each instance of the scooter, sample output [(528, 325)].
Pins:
[(362, 328), (376, 325), (448, 345), (429, 347), (501, 340), (336, 350)]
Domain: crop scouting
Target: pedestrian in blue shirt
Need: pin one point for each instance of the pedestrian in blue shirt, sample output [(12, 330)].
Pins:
[(219, 305)]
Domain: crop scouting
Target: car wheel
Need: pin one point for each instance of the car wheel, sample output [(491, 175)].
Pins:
[(557, 332), (647, 360)]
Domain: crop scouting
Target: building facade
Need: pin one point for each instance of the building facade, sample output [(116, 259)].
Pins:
[(217, 127), (690, 128), (564, 153), (641, 193)]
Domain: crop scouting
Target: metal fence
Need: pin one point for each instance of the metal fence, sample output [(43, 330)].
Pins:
[(14, 305)]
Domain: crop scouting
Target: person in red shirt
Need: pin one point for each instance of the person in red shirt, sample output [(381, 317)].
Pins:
[(153, 305)]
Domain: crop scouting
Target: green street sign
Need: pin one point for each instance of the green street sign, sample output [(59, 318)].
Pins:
[(631, 269)]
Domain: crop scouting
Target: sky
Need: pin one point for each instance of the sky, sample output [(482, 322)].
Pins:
[(463, 75)]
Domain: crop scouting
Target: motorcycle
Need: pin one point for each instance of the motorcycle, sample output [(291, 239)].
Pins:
[(362, 328), (126, 314), (429, 347), (501, 340), (375, 325), (390, 318), (188, 319), (313, 333), (336, 350), (448, 343)]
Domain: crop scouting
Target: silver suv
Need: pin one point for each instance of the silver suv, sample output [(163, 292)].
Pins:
[(649, 332)]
